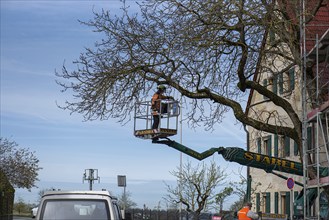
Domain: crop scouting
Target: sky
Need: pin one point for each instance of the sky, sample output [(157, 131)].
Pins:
[(37, 38)]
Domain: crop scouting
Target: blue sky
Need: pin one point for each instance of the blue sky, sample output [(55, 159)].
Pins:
[(37, 37)]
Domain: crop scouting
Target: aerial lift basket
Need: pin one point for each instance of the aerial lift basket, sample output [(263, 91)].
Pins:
[(143, 119)]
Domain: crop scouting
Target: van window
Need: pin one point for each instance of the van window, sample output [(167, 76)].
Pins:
[(75, 209), (116, 210)]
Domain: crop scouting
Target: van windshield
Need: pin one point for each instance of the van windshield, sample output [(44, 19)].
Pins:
[(75, 210)]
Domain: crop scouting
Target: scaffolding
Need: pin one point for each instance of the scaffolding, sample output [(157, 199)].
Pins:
[(316, 126)]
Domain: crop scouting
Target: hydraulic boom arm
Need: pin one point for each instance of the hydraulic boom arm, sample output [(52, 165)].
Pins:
[(246, 158)]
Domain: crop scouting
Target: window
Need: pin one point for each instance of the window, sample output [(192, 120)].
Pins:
[(291, 76), (284, 202), (280, 83), (75, 209), (271, 37), (267, 143), (295, 149), (259, 146), (276, 145), (265, 84), (275, 84), (266, 207), (276, 203), (116, 211), (285, 146), (284, 82)]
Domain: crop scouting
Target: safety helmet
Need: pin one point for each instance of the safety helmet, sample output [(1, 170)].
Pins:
[(161, 87), (249, 204)]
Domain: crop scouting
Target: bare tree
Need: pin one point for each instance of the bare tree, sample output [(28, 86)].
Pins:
[(20, 165), (125, 201), (208, 51), (195, 187), (222, 197)]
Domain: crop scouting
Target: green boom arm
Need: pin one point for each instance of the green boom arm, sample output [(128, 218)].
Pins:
[(261, 161), (246, 158)]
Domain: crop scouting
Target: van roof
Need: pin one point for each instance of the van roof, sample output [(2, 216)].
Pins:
[(74, 192)]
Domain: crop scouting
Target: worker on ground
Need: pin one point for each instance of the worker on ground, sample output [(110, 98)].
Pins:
[(246, 214), (156, 105)]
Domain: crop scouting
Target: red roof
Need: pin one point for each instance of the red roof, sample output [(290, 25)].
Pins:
[(319, 24)]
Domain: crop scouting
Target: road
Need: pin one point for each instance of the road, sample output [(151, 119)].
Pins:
[(22, 218)]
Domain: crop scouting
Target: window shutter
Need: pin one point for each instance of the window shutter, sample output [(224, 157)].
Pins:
[(275, 84), (257, 202), (295, 148), (259, 145), (281, 83), (276, 145), (272, 37), (288, 203), (265, 85), (309, 138), (268, 203), (276, 203), (269, 145), (287, 146), (292, 78)]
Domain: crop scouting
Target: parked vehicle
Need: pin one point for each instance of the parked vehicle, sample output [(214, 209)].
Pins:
[(34, 212), (78, 205)]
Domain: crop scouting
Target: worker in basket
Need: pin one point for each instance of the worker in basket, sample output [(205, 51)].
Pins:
[(156, 105)]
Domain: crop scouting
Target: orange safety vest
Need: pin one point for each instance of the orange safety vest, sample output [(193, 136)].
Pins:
[(155, 103), (242, 214)]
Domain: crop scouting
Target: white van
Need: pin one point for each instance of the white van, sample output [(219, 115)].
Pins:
[(78, 205)]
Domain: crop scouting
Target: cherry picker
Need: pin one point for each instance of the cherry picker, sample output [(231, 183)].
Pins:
[(168, 127)]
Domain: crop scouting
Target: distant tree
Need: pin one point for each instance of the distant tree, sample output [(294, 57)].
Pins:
[(195, 187), (125, 201), (42, 191), (222, 196), (21, 207), (20, 165), (240, 190)]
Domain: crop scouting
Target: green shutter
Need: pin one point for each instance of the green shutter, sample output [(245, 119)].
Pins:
[(259, 145), (295, 194), (287, 146), (281, 83), (268, 203), (265, 85), (275, 84), (309, 138), (276, 203), (269, 145), (257, 202), (288, 203), (292, 79), (272, 37), (276, 145), (295, 148)]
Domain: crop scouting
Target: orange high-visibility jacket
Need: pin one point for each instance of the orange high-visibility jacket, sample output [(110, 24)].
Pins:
[(155, 103), (242, 214)]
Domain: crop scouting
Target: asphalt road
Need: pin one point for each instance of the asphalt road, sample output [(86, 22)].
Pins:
[(22, 218)]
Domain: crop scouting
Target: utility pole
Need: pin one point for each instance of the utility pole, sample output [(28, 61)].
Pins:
[(123, 183), (91, 175)]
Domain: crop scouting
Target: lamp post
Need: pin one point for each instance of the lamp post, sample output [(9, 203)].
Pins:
[(180, 160)]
